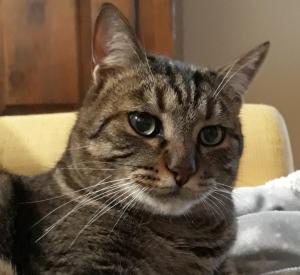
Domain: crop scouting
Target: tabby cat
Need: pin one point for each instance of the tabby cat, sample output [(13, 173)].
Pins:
[(144, 186)]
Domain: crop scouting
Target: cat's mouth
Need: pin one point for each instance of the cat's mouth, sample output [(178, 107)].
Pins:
[(172, 201), (168, 198), (174, 192)]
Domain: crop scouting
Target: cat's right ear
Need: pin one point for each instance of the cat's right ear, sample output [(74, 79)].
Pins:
[(238, 76), (114, 42)]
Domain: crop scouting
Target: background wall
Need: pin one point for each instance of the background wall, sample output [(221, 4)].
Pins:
[(215, 32)]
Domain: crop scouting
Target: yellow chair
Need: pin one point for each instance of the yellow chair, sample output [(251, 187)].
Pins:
[(32, 144)]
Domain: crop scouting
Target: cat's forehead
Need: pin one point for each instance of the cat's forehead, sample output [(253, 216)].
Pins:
[(180, 73), (180, 91)]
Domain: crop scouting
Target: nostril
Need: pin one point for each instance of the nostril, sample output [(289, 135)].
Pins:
[(180, 181), (183, 177), (182, 174), (182, 168)]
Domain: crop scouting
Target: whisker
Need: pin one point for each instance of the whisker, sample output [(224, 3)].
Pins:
[(219, 202), (106, 162), (232, 75), (149, 69), (223, 190), (76, 208), (76, 148), (107, 207), (102, 212), (129, 205), (206, 205), (223, 185), (48, 229), (57, 208), (87, 168), (218, 199), (235, 197), (219, 192), (110, 188), (226, 75), (216, 207), (117, 185), (102, 182)]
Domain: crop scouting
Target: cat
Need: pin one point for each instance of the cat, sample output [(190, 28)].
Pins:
[(144, 186)]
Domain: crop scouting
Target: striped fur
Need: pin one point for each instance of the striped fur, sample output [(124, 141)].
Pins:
[(118, 182), (6, 223)]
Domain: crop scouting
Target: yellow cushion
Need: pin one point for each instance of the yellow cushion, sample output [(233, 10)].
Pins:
[(32, 144), (267, 152)]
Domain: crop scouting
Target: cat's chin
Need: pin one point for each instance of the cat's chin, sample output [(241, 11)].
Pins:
[(171, 201)]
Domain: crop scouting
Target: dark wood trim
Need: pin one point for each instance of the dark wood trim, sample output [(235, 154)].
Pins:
[(85, 52), (39, 109), (178, 29), (155, 26)]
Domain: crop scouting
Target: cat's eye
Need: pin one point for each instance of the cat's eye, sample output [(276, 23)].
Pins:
[(144, 124), (212, 135)]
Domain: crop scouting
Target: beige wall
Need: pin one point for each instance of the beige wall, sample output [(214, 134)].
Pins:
[(217, 31)]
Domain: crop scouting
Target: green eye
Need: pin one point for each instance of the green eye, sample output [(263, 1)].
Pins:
[(212, 135), (144, 124)]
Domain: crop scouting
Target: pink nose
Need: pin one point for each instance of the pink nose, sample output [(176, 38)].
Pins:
[(181, 169), (182, 174)]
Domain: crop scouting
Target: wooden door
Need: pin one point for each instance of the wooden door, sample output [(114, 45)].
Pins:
[(45, 56)]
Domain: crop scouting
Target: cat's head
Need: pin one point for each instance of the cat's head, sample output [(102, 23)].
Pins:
[(157, 131)]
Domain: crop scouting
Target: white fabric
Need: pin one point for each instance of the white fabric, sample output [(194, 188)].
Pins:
[(268, 240)]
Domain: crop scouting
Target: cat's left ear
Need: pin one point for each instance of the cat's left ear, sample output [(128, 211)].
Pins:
[(237, 76), (114, 41)]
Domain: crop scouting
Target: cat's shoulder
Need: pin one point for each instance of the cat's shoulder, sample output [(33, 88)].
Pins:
[(6, 188), (6, 222), (10, 184)]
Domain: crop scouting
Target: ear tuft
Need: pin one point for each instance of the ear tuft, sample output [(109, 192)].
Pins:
[(238, 75), (114, 42)]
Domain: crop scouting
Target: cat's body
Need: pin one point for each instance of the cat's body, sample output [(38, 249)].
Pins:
[(139, 244), (144, 186)]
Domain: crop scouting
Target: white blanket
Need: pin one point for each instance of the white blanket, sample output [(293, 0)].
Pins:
[(268, 240)]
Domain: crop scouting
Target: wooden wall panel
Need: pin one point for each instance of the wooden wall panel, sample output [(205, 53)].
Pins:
[(45, 48), (155, 25), (2, 88), (41, 51)]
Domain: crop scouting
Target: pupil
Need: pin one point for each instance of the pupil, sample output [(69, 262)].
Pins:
[(211, 134), (144, 124)]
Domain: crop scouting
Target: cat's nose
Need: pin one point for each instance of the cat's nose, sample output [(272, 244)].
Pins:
[(181, 169)]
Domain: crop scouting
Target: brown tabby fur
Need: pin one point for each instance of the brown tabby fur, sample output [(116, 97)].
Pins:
[(147, 224)]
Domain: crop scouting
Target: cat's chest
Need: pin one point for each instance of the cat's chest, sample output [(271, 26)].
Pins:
[(126, 245)]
